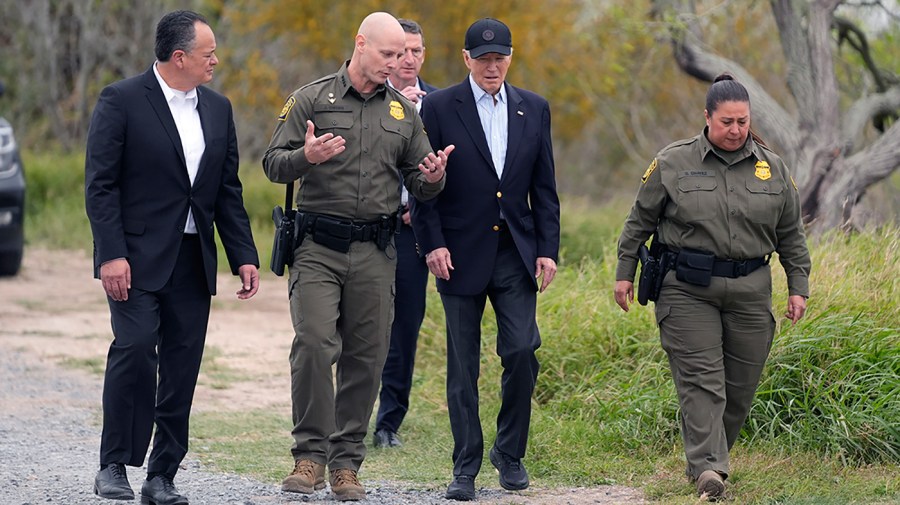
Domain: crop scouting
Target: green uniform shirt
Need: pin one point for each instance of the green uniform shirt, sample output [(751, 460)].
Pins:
[(384, 139), (742, 208)]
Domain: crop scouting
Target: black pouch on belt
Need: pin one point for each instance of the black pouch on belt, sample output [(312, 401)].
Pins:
[(694, 267), (332, 234)]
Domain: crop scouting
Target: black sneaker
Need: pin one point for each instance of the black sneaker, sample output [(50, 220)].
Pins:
[(112, 483), (462, 488), (513, 476)]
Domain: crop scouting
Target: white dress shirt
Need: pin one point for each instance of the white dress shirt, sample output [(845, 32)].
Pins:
[(183, 105)]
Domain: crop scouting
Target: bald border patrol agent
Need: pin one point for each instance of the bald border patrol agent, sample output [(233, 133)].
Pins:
[(721, 203), (350, 141)]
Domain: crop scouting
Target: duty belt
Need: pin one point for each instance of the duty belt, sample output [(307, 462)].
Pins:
[(357, 231), (724, 267), (337, 234), (734, 269)]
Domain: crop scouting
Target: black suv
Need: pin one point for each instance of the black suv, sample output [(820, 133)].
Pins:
[(12, 201)]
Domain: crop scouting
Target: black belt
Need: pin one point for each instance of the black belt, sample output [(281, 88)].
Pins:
[(365, 231), (734, 269), (724, 267)]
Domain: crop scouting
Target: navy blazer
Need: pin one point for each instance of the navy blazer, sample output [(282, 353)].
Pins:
[(463, 216), (137, 189), (427, 88)]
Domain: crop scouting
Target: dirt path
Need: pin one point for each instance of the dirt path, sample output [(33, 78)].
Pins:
[(53, 312)]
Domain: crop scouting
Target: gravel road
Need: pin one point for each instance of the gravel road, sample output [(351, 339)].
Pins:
[(50, 414)]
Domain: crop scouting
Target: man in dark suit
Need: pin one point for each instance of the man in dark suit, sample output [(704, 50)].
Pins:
[(161, 172), (411, 278), (492, 233)]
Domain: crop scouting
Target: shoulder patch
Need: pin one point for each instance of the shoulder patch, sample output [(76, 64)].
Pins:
[(287, 108), (649, 171)]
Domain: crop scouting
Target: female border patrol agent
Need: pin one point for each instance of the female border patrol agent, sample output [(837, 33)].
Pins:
[(721, 203)]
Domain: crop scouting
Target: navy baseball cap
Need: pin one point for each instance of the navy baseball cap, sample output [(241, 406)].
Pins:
[(488, 35)]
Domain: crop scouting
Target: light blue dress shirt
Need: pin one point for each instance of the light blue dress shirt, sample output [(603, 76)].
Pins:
[(494, 122)]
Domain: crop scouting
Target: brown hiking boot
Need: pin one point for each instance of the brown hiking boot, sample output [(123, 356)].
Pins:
[(710, 485), (346, 486), (308, 476)]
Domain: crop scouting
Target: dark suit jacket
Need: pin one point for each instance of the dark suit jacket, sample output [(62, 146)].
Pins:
[(137, 188), (462, 217), (428, 88)]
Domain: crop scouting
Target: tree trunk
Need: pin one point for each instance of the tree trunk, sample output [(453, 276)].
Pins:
[(820, 144)]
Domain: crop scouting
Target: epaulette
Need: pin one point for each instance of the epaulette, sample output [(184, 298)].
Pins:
[(678, 143), (317, 81)]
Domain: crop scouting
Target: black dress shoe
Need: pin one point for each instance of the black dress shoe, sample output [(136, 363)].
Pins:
[(112, 482), (462, 488), (387, 438), (513, 476), (160, 490)]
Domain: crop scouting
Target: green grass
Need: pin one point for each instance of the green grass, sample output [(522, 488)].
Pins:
[(214, 373), (823, 428)]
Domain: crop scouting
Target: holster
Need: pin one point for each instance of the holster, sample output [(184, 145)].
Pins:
[(655, 262), (649, 274), (283, 245)]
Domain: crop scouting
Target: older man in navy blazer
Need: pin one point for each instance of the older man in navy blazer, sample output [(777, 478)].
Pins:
[(161, 173), (492, 233)]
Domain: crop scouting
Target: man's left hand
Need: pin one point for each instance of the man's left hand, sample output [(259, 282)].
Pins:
[(250, 279), (434, 164), (547, 267)]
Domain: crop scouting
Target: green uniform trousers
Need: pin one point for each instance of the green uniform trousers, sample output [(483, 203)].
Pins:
[(342, 305), (717, 339)]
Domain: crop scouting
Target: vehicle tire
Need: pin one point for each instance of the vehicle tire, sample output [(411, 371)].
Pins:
[(10, 261)]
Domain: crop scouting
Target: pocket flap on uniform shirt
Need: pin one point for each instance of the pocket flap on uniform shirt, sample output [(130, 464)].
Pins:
[(334, 119), (765, 187), (697, 183), (401, 128)]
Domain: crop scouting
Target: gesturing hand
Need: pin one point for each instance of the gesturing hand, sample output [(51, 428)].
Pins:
[(434, 165), (413, 94), (321, 149)]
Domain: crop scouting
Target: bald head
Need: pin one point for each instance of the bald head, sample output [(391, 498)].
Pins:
[(379, 45), (381, 27)]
